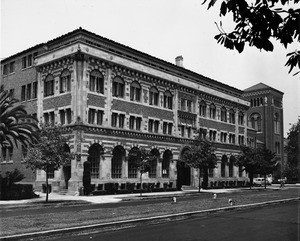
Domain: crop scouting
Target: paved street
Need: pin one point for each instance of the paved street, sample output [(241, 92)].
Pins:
[(279, 222)]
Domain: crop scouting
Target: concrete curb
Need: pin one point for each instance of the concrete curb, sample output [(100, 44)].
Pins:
[(140, 221)]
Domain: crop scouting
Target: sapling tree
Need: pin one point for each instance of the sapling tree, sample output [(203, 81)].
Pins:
[(50, 152)]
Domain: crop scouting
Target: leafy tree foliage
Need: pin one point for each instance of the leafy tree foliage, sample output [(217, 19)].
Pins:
[(141, 159), (258, 22), (49, 153), (292, 168), (16, 126), (256, 161), (201, 156)]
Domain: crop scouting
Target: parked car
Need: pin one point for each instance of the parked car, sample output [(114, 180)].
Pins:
[(258, 181)]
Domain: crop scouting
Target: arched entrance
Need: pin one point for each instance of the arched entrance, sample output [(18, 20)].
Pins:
[(183, 173)]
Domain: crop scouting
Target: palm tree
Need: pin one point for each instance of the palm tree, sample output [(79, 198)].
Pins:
[(16, 126)]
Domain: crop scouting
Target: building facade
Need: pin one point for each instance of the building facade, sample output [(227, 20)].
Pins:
[(112, 98)]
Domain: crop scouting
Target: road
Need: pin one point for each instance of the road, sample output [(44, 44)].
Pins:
[(278, 222)]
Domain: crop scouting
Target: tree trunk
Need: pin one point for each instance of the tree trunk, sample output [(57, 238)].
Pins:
[(47, 185), (199, 180), (251, 179), (141, 184), (265, 181)]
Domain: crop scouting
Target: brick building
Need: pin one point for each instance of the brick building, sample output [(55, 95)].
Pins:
[(113, 98)]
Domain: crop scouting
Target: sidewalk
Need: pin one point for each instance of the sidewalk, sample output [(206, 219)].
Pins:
[(113, 198)]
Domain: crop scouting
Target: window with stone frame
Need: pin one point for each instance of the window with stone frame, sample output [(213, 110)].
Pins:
[(165, 127), (132, 169), (232, 116), (168, 100), (255, 121), (167, 157), (231, 138), (135, 91), (23, 93), (153, 163), (212, 111), (117, 160), (223, 137), (189, 105), (121, 120), (212, 135), (65, 81), (96, 82), (276, 124), (114, 119), (118, 87), (138, 123), (34, 89), (170, 128), (95, 152), (223, 114), (241, 140), (49, 85), (153, 96), (62, 117), (150, 125), (241, 118), (202, 108), (156, 126)]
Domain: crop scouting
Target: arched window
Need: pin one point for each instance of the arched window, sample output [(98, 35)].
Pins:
[(223, 114), (276, 123), (135, 91), (65, 81), (255, 121), (231, 164), (132, 170), (95, 151), (241, 118), (153, 163), (49, 85), (116, 162), (167, 157), (153, 96), (118, 87), (202, 108), (96, 82), (232, 116), (223, 165), (168, 100), (212, 111)]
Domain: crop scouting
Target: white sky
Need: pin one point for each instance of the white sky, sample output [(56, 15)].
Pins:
[(161, 28)]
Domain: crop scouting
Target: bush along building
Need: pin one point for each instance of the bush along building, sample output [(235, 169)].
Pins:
[(112, 98)]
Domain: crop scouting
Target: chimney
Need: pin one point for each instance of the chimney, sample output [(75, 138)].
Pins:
[(179, 61)]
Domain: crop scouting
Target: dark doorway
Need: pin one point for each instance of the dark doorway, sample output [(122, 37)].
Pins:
[(67, 174), (183, 174)]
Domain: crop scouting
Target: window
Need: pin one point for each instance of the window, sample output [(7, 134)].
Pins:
[(183, 104), (212, 135), (189, 105), (62, 117), (65, 81), (23, 93), (135, 91), (276, 124), (152, 171), (24, 62), (50, 172), (100, 114), (232, 116), (168, 100), (232, 138), (131, 122), (182, 131), (150, 125), (255, 121), (4, 152), (156, 126), (96, 82), (91, 116), (49, 117), (132, 170), (153, 96), (241, 118), (223, 165), (138, 123), (223, 137), (114, 119), (49, 86), (28, 92), (5, 70), (167, 157), (202, 108), (241, 140), (170, 128), (277, 147), (212, 111), (203, 133), (240, 171), (231, 163), (223, 114), (165, 127), (95, 151), (12, 67), (29, 60), (34, 90), (116, 162), (121, 120), (118, 87), (69, 116)]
